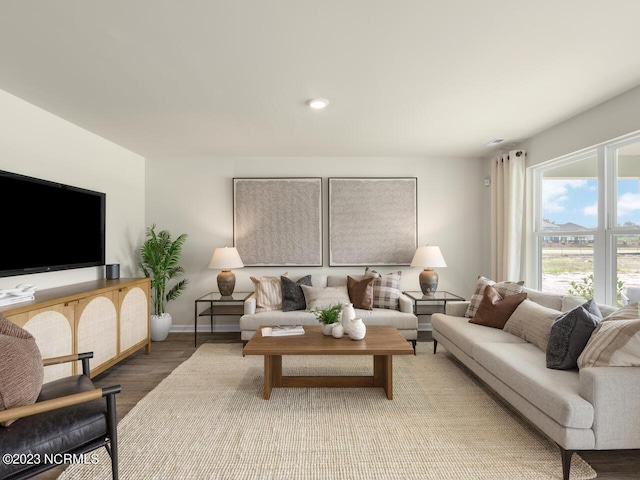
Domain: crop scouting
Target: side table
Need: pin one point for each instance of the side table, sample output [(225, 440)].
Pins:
[(219, 305), (430, 304)]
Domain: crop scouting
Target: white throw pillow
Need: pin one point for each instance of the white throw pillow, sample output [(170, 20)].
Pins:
[(268, 292), (614, 343), (532, 322), (318, 298)]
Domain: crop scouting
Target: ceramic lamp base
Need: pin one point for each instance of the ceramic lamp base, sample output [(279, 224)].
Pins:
[(226, 282), (428, 281)]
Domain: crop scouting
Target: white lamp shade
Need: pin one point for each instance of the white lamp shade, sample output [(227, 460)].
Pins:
[(225, 259), (428, 257)]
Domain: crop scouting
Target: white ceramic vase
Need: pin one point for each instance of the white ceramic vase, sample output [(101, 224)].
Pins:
[(357, 329), (348, 314), (337, 331), (160, 326), (327, 327)]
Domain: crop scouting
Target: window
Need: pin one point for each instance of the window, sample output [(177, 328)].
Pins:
[(587, 222)]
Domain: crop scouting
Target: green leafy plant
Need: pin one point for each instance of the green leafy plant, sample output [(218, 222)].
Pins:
[(159, 262), (327, 315), (584, 288)]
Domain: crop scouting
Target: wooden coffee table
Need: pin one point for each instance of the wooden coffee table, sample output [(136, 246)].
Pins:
[(381, 341)]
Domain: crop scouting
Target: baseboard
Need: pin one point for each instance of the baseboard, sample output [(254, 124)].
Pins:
[(204, 328)]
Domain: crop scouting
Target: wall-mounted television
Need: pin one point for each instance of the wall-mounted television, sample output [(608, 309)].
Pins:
[(47, 226)]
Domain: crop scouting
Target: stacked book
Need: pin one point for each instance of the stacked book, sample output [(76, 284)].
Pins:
[(22, 293), (283, 330)]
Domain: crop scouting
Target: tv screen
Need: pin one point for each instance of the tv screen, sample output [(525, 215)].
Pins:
[(49, 226)]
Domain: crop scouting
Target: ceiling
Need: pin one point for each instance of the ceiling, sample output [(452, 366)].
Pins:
[(204, 78)]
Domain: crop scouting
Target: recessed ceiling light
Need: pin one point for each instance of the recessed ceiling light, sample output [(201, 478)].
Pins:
[(317, 103), (495, 141)]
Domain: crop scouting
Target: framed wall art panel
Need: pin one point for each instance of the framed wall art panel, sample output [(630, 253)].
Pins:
[(372, 221), (278, 221)]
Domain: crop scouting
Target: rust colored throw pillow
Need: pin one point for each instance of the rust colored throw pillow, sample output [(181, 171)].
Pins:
[(361, 292), (21, 370), (494, 311)]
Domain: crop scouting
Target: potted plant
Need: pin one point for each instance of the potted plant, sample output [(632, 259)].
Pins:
[(328, 316), (159, 262)]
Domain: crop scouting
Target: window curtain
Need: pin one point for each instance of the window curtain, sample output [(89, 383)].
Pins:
[(507, 215)]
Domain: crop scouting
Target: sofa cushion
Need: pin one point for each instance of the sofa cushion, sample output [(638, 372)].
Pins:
[(532, 322), (268, 293), (361, 292), (494, 311), (386, 288), (614, 343), (21, 370), (465, 334), (321, 297), (546, 299), (522, 367), (628, 312), (292, 294), (569, 335), (505, 289), (384, 316)]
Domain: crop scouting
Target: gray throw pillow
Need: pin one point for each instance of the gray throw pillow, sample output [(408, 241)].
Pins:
[(292, 294), (569, 335)]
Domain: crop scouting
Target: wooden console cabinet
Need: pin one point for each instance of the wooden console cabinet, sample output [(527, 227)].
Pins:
[(107, 317)]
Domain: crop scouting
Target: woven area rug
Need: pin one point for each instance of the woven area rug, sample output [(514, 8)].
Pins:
[(208, 420)]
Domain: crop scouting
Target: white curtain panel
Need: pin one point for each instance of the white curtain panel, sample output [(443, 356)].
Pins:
[(507, 215)]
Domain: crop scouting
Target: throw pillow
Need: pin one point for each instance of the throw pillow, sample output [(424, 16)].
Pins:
[(494, 311), (318, 298), (292, 294), (268, 292), (569, 335), (505, 289), (386, 289), (613, 344), (361, 292), (628, 312), (532, 322), (21, 370)]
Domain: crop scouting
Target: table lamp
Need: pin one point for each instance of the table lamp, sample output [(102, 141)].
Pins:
[(428, 257), (225, 259)]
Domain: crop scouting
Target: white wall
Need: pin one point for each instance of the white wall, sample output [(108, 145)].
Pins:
[(194, 196), (36, 143), (607, 121)]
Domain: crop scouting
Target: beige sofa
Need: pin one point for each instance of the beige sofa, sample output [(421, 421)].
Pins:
[(403, 319), (590, 409)]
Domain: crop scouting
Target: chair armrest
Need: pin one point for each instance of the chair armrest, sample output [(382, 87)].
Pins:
[(456, 309), (56, 403), (250, 305), (83, 357)]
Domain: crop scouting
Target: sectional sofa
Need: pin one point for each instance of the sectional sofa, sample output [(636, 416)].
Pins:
[(595, 408)]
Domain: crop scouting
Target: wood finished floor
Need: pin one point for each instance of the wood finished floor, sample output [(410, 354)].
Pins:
[(141, 373)]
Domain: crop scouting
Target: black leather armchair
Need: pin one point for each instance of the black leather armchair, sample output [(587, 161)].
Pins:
[(70, 418)]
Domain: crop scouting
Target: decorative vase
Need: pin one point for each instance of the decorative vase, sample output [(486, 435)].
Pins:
[(327, 327), (160, 326), (337, 331), (348, 314), (358, 329)]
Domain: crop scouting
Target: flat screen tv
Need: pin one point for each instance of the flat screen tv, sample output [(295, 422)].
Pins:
[(47, 226)]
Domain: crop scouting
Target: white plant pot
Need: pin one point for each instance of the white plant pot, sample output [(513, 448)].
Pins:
[(327, 328), (160, 326)]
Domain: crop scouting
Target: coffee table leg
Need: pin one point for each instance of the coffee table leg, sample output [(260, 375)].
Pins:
[(383, 373), (272, 374)]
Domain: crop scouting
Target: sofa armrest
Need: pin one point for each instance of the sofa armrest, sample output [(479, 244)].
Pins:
[(614, 393), (250, 305), (405, 304), (456, 309)]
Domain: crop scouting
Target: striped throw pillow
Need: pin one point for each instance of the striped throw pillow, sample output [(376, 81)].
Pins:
[(614, 343), (268, 293)]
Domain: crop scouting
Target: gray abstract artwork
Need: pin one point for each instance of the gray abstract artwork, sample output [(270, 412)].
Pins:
[(372, 221), (278, 221)]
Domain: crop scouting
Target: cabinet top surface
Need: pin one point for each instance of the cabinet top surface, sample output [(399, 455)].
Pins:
[(439, 296), (216, 297), (67, 293)]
